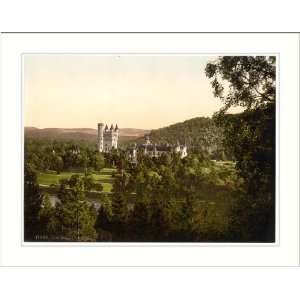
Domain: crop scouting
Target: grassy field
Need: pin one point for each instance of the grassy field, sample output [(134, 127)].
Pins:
[(104, 177)]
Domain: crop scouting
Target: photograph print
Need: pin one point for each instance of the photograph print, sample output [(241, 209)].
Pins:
[(156, 148)]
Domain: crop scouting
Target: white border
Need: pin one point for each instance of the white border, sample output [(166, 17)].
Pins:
[(284, 254)]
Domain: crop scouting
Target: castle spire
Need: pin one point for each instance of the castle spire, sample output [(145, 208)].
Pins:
[(116, 128), (111, 127)]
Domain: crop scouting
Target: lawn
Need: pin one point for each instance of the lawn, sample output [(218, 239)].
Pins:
[(104, 177)]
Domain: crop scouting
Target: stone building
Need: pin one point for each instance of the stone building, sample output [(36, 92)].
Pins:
[(155, 150), (107, 138)]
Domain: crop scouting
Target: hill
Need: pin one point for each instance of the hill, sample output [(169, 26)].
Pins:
[(84, 134), (199, 134)]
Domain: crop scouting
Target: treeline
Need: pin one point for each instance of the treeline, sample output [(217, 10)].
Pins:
[(57, 155)]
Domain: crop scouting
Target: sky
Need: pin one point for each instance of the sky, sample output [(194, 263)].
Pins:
[(134, 91)]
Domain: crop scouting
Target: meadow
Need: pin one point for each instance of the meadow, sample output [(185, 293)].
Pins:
[(52, 179)]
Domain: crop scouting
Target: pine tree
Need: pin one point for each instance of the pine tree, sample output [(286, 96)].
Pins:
[(74, 213), (32, 203)]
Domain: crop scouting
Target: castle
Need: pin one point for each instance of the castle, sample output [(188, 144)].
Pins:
[(155, 150), (107, 138)]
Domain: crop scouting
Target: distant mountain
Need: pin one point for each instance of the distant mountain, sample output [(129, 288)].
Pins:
[(199, 134), (85, 134)]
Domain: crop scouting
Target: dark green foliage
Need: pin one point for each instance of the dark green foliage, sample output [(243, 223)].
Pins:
[(89, 183), (76, 217), (140, 220), (104, 219), (97, 161), (250, 80), (161, 200), (32, 203), (57, 156), (71, 219), (48, 223), (120, 201), (250, 136)]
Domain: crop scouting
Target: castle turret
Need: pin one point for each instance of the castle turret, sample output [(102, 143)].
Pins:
[(177, 147), (148, 140), (115, 137), (100, 137), (111, 127)]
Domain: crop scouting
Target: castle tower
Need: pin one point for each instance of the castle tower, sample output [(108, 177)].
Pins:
[(115, 137), (100, 137), (177, 147), (148, 140)]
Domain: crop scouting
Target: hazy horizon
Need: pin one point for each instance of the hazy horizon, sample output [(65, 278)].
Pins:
[(134, 91)]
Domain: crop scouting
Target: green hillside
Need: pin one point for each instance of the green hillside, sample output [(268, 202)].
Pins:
[(199, 134)]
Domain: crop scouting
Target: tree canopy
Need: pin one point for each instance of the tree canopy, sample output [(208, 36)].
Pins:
[(247, 81), (250, 82)]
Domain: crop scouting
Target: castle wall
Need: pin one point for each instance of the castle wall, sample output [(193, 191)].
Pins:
[(154, 150), (107, 136)]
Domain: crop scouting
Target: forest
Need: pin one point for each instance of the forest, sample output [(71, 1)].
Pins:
[(200, 135), (223, 191)]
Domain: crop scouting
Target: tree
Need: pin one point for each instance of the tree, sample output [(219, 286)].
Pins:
[(140, 220), (250, 82), (32, 203), (98, 187), (247, 81), (120, 199), (104, 219), (47, 221), (57, 163), (75, 215), (89, 182), (98, 161)]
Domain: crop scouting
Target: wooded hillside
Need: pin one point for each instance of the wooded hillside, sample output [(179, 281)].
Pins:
[(199, 134)]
